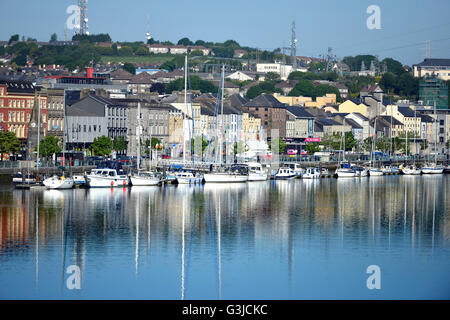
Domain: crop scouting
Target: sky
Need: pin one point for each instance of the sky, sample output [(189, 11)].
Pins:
[(406, 25)]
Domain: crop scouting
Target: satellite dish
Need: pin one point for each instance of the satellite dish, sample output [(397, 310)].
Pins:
[(85, 19), (87, 32)]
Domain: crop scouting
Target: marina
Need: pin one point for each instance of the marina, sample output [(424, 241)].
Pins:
[(220, 241)]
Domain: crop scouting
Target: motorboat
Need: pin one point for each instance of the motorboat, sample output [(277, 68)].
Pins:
[(233, 174), (59, 183), (432, 169), (20, 178), (296, 167), (285, 173), (375, 172), (187, 177), (106, 177), (447, 169), (256, 172), (145, 178), (311, 173), (345, 171), (79, 180), (411, 170)]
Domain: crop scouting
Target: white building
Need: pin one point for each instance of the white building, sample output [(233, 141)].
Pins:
[(282, 69)]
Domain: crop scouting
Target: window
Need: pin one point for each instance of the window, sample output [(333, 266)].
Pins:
[(99, 128), (84, 128), (95, 128)]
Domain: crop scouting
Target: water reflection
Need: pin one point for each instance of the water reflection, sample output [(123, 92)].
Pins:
[(274, 239)]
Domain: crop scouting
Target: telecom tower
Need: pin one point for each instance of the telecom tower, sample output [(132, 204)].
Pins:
[(293, 46), (330, 59), (147, 34), (82, 4)]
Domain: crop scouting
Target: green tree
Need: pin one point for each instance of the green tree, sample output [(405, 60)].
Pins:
[(142, 51), (199, 145), (119, 144), (125, 51), (129, 67), (184, 42), (49, 146), (53, 38), (312, 148), (196, 83), (13, 38), (281, 146), (272, 76), (20, 60), (9, 142), (102, 146)]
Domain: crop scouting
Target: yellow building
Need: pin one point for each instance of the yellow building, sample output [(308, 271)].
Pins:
[(320, 102), (351, 107), (251, 127), (405, 115)]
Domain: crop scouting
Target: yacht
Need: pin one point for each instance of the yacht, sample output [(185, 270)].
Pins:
[(345, 171), (145, 178), (411, 170), (107, 174), (229, 175), (187, 177), (256, 172), (432, 169), (312, 173), (375, 172), (56, 182), (296, 167), (285, 173), (79, 180), (20, 178), (361, 171)]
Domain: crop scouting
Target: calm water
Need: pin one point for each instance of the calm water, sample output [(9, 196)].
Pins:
[(270, 240)]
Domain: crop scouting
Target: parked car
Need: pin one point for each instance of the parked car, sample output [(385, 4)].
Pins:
[(165, 156)]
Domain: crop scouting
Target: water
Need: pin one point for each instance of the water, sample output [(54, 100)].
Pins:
[(270, 240)]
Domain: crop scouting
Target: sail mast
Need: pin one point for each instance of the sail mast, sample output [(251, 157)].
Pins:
[(185, 109), (138, 136)]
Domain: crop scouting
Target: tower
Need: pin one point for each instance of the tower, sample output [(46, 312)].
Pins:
[(82, 4), (293, 46), (330, 59), (147, 34)]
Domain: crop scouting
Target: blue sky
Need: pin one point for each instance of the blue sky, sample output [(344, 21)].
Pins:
[(405, 24)]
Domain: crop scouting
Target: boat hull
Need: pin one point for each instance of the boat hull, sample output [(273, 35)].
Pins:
[(346, 174), (257, 176), (144, 181), (107, 182), (432, 170), (375, 173), (411, 172), (58, 184), (224, 178)]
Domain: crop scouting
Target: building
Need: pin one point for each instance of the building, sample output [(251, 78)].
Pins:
[(299, 123), (154, 122), (407, 116), (55, 112), (111, 114), (349, 106), (17, 100), (362, 121), (120, 76), (439, 68), (271, 112), (141, 83), (251, 123), (241, 76), (158, 48), (202, 49), (178, 50), (282, 69), (286, 86), (434, 90)]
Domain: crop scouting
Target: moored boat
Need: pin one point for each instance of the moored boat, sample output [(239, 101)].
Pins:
[(256, 172), (58, 183), (311, 173), (144, 178), (285, 173)]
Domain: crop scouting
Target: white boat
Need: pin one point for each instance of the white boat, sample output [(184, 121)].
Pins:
[(256, 172), (311, 173), (79, 180), (224, 177), (56, 182), (104, 178), (387, 170), (432, 169), (20, 178), (236, 173), (144, 178), (375, 172), (296, 167), (411, 170), (345, 171), (285, 173), (187, 177)]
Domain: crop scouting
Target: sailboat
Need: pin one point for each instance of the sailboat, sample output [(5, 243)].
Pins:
[(373, 171), (434, 168), (412, 169), (225, 175), (142, 178), (345, 170)]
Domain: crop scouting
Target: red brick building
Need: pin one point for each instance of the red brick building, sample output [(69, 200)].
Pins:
[(17, 99)]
